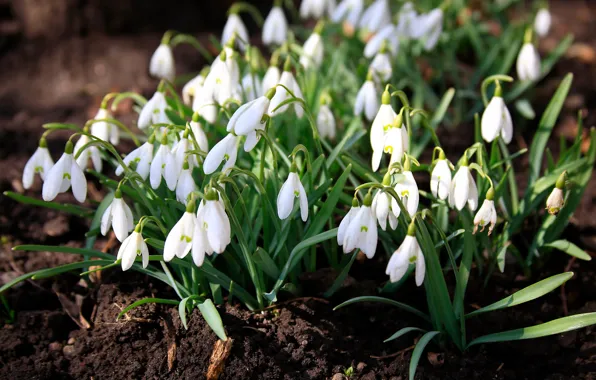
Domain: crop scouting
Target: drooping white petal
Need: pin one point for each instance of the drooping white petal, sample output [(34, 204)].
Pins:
[(313, 52), (381, 124), (271, 78), (286, 196), (407, 190), (528, 63), (344, 224), (460, 188), (420, 265), (473, 193), (106, 220), (367, 101), (234, 25), (179, 241), (275, 27), (326, 122), (440, 180), (493, 119), (55, 177), (78, 182), (162, 63), (542, 22), (120, 222), (40, 162), (224, 150), (218, 226)]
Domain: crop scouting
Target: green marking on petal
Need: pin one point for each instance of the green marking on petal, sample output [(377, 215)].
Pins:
[(38, 169), (364, 229), (296, 194), (66, 175)]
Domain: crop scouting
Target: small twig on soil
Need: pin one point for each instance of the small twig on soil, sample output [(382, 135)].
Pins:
[(401, 352), (563, 293), (499, 368), (221, 351), (295, 300)]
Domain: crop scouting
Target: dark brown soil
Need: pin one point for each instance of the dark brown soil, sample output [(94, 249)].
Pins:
[(301, 338)]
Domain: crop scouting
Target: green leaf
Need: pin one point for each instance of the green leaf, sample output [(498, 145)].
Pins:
[(265, 263), (545, 127), (402, 332), (96, 221), (342, 276), (387, 301), (527, 294), (51, 272), (558, 326), (570, 249), (71, 209), (420, 346), (63, 249), (145, 301), (524, 107), (182, 309), (213, 318)]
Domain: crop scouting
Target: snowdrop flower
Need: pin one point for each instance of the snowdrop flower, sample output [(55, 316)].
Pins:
[(275, 28), (212, 231), (528, 63), (104, 130), (40, 162), (180, 239), (428, 28), (313, 49), (198, 133), (348, 11), (542, 22), (225, 150), (406, 20), (407, 190), (381, 65), (64, 174), (118, 215), (186, 184), (387, 34), (556, 199), (176, 159), (231, 61), (288, 80), (381, 123), (361, 231), (235, 26), (218, 88), (376, 16), (271, 78), (139, 159), (316, 8), (496, 119), (290, 190), (91, 152), (463, 188), (326, 122), (345, 222), (154, 111), (486, 215), (158, 165), (385, 207), (131, 247), (367, 101), (249, 118), (409, 252), (194, 87), (162, 63), (251, 86), (395, 143), (440, 178)]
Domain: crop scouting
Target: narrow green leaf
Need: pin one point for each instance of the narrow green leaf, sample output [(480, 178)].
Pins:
[(71, 209), (213, 318), (145, 301), (402, 332), (51, 272), (341, 277), (524, 107), (570, 249), (388, 301), (265, 263), (558, 326), (420, 346), (527, 294)]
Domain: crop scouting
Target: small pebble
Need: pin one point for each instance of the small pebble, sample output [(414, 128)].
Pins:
[(339, 376), (55, 346), (361, 366), (68, 350)]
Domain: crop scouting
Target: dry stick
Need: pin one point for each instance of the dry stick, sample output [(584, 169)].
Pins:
[(401, 352), (563, 294), (295, 300)]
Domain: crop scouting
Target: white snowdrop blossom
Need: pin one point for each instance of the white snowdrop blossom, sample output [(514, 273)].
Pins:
[(486, 215), (271, 78), (139, 159), (409, 252), (381, 66), (528, 63), (395, 143), (199, 133), (154, 111), (40, 162), (556, 199), (463, 189), (162, 63), (212, 230), (176, 159), (361, 232), (440, 178), (225, 150), (290, 190), (289, 81), (407, 20), (385, 208), (387, 34), (348, 11), (407, 190), (219, 87), (385, 116), (158, 166), (367, 100), (104, 130), (249, 118), (252, 87), (542, 22), (119, 216), (376, 16), (326, 122), (313, 51), (275, 28), (180, 239), (316, 8), (186, 184), (90, 152), (496, 120), (131, 247), (235, 26), (64, 174), (428, 28), (345, 222), (192, 88)]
